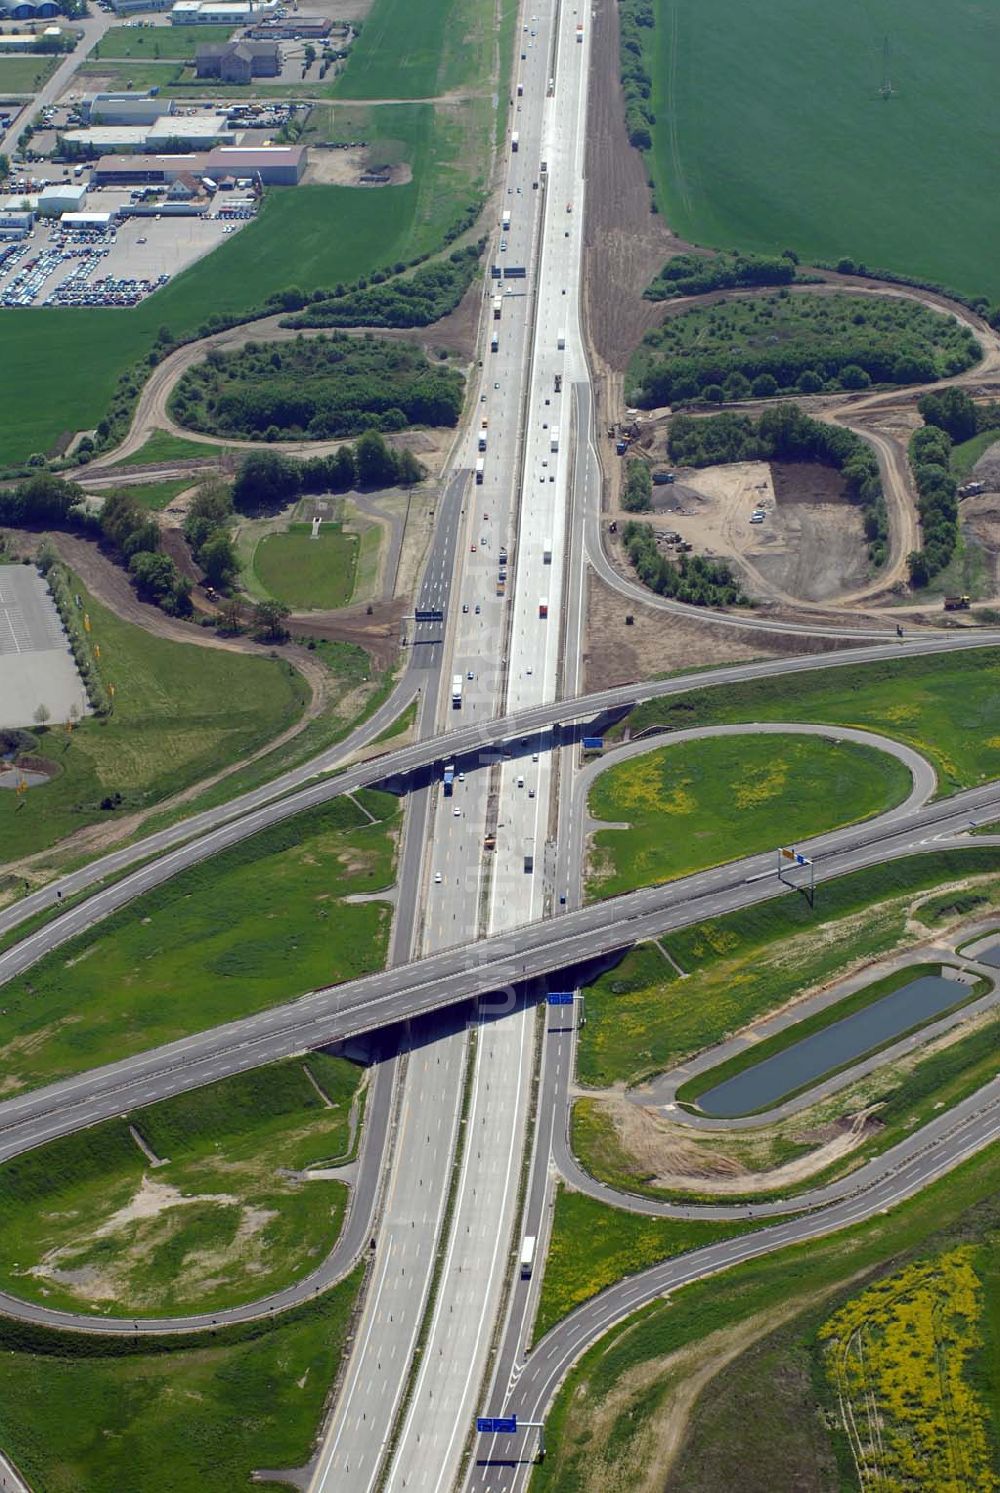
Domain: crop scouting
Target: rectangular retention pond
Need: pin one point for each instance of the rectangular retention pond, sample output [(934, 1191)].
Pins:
[(836, 1046)]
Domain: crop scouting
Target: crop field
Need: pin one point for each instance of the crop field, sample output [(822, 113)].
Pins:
[(947, 707), (798, 82), (181, 712), (171, 1417), (25, 74), (642, 1018), (305, 572), (769, 1419), (58, 370), (225, 1215), (254, 926), (699, 803)]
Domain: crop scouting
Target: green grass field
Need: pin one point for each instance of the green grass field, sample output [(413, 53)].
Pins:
[(254, 926), (407, 53), (965, 455), (699, 803), (124, 75), (181, 713), (89, 1224), (642, 1018), (592, 1246), (58, 370), (25, 74), (947, 707), (306, 572), (153, 42), (155, 495), (162, 446), (798, 81), (757, 1425), (178, 1417)]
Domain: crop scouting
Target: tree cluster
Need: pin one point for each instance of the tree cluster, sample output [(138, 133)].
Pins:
[(42, 501), (695, 274), (635, 17), (206, 529), (129, 530), (700, 582), (267, 481), (937, 503), (785, 433), (637, 496), (785, 344), (323, 387), (952, 410), (424, 298)]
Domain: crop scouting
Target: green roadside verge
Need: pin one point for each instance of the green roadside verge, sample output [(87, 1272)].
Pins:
[(195, 1204), (699, 803), (617, 1396), (171, 1415), (266, 920)]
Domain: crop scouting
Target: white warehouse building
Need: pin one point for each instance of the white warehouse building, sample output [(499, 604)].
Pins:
[(61, 197), (212, 13)]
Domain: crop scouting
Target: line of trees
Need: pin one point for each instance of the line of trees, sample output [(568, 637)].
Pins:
[(130, 531), (786, 433), (268, 481), (700, 582), (937, 503), (432, 292), (634, 17), (696, 274), (206, 529)]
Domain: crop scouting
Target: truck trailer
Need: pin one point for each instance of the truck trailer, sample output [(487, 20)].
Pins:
[(480, 470), (497, 307), (554, 438), (514, 141), (527, 1256), (456, 691)]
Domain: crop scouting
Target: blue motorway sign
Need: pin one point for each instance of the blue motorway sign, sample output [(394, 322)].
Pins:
[(593, 743), (489, 1425), (560, 997), (428, 614)]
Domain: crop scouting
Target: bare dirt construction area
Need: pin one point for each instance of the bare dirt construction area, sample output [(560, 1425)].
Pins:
[(980, 518), (656, 642), (356, 166), (789, 529)]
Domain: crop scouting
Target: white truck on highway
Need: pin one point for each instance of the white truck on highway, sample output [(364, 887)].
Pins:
[(561, 341), (527, 1256), (515, 140), (480, 470), (505, 219), (554, 438), (456, 691), (497, 307), (547, 552)]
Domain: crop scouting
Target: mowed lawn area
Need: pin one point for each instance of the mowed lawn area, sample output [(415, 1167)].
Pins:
[(947, 706), (59, 368), (700, 803), (771, 132), (198, 1418), (89, 1223), (181, 712), (25, 74), (306, 572), (259, 924), (150, 43)]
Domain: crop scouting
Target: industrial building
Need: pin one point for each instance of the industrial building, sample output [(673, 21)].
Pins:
[(295, 28), (124, 108), (24, 41), (194, 132), (61, 197), (238, 61), (274, 165), (27, 10), (15, 223), (211, 13), (129, 7)]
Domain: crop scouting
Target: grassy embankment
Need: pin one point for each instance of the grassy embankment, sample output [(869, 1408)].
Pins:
[(256, 925), (180, 1415), (25, 74), (162, 446), (152, 495), (965, 455), (700, 803), (799, 77), (224, 1216), (947, 706), (642, 1018), (181, 712), (759, 1425), (306, 572)]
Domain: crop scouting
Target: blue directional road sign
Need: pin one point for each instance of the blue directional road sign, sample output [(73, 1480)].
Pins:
[(428, 614), (490, 1425), (593, 743), (560, 997)]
